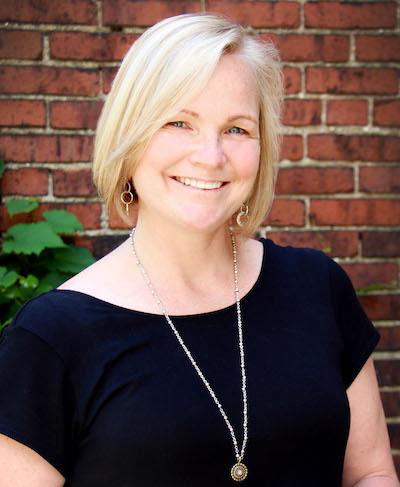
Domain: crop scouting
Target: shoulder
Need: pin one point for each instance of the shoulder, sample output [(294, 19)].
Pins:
[(297, 259), (61, 319), (309, 270)]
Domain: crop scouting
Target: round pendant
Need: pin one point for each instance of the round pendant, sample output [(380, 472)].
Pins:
[(239, 472)]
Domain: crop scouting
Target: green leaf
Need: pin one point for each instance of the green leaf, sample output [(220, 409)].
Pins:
[(5, 323), (31, 238), (13, 293), (2, 168), (43, 287), (54, 278), (10, 312), (25, 205), (62, 221), (30, 281), (70, 259), (376, 286), (9, 278)]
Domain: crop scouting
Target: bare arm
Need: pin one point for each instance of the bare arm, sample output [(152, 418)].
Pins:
[(21, 466), (368, 459), (378, 481)]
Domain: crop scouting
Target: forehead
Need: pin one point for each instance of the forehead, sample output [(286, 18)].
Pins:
[(231, 84)]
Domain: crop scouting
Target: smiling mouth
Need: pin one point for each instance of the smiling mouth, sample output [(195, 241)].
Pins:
[(198, 184)]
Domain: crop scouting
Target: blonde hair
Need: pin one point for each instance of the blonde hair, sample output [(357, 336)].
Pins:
[(168, 65)]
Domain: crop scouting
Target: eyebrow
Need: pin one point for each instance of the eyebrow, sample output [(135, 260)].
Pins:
[(230, 119)]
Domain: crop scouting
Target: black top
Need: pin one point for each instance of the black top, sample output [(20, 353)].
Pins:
[(108, 396)]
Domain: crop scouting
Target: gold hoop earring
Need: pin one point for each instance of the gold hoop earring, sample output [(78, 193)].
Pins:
[(127, 197), (243, 215)]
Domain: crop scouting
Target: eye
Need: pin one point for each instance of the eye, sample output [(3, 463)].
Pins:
[(237, 130), (178, 124)]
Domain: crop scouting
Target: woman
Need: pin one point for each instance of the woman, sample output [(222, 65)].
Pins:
[(194, 354)]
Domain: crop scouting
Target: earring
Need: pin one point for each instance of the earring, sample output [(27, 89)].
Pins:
[(243, 215), (127, 197)]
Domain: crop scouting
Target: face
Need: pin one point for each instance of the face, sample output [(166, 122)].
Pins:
[(201, 166)]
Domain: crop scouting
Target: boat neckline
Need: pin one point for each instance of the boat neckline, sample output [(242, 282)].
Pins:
[(252, 290)]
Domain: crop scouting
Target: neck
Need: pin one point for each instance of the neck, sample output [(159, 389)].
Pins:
[(184, 258)]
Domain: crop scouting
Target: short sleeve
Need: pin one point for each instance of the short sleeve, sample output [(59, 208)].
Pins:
[(36, 397), (359, 335)]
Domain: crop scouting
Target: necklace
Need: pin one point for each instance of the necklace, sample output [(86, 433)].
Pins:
[(239, 470)]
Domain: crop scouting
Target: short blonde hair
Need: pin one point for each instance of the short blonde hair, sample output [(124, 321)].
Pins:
[(168, 65)]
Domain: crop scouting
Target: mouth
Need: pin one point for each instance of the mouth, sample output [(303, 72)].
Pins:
[(200, 184)]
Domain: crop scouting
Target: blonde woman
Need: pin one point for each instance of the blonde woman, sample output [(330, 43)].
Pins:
[(194, 354)]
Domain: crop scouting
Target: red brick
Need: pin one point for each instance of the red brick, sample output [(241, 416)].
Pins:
[(333, 147), (355, 212), (46, 148), (301, 112), (380, 179), (85, 242), (347, 112), (6, 221), (314, 180), (99, 245), (396, 459), (145, 12), (258, 13), (73, 183), (378, 48), (311, 47), (381, 307), (391, 402), (22, 113), (26, 181), (89, 214), (380, 244), (390, 338), (336, 244), (91, 47), (388, 372), (108, 74), (75, 114), (351, 80), (115, 221), (292, 147), (286, 212), (364, 275), (387, 112), (338, 15), (394, 435), (292, 80), (48, 80), (20, 44), (49, 11)]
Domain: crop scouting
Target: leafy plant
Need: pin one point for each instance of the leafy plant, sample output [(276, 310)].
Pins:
[(36, 257)]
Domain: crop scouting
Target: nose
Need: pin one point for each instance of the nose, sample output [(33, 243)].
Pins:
[(208, 150)]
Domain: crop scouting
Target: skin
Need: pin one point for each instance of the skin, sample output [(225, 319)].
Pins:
[(192, 269), (208, 142)]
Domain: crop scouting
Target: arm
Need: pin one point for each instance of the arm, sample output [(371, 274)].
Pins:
[(22, 467), (368, 460), (378, 481)]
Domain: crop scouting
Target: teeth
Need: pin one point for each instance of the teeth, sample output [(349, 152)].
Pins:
[(199, 184)]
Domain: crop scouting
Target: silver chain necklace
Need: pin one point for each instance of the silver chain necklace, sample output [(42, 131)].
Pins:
[(239, 470)]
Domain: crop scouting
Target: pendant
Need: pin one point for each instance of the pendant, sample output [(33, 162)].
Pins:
[(239, 472)]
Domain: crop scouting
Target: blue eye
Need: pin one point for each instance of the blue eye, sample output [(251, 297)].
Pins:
[(178, 124), (237, 130)]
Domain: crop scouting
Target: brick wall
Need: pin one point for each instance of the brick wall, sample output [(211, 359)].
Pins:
[(339, 181)]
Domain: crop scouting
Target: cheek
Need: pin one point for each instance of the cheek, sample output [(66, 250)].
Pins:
[(247, 160), (162, 149)]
